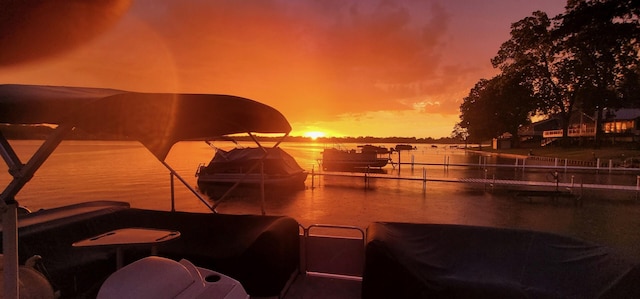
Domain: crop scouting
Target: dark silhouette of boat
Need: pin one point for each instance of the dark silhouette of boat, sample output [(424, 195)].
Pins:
[(365, 157), (404, 147), (252, 167)]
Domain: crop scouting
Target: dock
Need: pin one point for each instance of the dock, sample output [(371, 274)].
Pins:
[(553, 190), (479, 181)]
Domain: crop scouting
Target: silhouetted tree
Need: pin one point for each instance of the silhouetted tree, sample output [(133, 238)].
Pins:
[(630, 89), (474, 115), (583, 60), (530, 55), (459, 133), (494, 107), (599, 40)]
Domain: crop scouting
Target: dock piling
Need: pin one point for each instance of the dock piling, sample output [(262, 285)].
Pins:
[(424, 180), (313, 176), (412, 162), (610, 165)]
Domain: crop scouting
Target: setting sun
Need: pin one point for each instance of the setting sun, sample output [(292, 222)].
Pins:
[(313, 135)]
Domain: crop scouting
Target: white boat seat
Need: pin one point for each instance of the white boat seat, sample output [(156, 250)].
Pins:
[(32, 283), (157, 277)]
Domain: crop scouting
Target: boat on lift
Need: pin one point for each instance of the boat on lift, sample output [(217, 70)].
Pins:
[(365, 157), (404, 147), (252, 167)]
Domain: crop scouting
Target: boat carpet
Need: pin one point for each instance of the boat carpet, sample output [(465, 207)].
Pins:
[(261, 252), (406, 260)]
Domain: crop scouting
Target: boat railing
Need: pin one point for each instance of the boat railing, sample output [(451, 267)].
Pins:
[(327, 253)]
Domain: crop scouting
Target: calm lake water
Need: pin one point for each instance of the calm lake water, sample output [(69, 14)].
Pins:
[(125, 171)]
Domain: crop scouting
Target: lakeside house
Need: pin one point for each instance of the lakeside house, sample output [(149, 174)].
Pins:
[(618, 125)]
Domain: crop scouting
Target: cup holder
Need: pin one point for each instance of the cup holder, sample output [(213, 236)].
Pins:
[(212, 278)]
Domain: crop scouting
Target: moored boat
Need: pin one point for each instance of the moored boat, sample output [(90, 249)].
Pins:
[(404, 147), (252, 166), (366, 156)]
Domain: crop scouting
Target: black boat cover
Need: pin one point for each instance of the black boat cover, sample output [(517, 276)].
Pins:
[(237, 160), (406, 260)]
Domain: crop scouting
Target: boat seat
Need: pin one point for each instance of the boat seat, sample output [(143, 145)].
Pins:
[(32, 283), (44, 220), (50, 234), (156, 277)]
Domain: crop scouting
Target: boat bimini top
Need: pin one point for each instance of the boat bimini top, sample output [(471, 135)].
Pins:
[(157, 120)]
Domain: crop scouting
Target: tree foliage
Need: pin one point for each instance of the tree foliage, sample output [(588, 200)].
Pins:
[(488, 110), (583, 60), (600, 39)]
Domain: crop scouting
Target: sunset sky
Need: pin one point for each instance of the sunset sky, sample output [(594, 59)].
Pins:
[(340, 67)]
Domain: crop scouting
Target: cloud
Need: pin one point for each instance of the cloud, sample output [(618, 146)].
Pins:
[(382, 124), (311, 59), (315, 60), (422, 106)]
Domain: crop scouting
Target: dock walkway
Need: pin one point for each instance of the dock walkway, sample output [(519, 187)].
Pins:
[(520, 188), (479, 181)]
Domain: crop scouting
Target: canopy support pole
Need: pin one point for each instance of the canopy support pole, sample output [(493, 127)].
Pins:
[(8, 206), (175, 174), (25, 173), (9, 156)]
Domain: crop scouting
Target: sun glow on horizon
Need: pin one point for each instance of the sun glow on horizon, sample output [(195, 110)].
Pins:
[(314, 135)]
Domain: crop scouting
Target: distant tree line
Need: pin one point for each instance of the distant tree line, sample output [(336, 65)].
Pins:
[(39, 132), (372, 140), (582, 60)]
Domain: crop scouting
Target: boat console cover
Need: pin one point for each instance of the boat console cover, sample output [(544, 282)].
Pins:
[(156, 277), (406, 260)]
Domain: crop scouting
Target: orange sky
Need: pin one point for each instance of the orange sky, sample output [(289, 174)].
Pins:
[(343, 67)]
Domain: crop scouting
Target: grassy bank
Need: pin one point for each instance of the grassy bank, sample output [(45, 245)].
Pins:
[(617, 154)]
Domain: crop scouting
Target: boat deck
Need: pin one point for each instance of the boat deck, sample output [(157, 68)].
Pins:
[(332, 263), (312, 287)]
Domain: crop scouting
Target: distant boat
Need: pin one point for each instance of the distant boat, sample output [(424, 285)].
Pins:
[(367, 156), (242, 166), (404, 147), (368, 148)]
